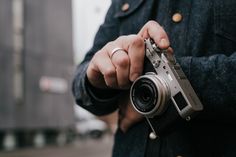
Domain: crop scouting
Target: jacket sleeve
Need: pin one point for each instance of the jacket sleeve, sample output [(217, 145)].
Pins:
[(98, 102), (214, 80)]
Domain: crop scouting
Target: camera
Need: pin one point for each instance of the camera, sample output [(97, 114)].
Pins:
[(151, 92)]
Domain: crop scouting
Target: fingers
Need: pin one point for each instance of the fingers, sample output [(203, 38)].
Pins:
[(119, 57), (134, 46), (120, 62), (101, 72), (127, 122), (136, 55), (153, 30)]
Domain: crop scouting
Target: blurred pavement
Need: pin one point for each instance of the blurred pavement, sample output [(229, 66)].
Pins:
[(80, 148)]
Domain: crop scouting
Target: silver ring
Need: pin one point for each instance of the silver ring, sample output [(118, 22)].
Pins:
[(116, 50)]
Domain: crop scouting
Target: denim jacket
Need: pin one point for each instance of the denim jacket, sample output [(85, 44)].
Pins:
[(204, 43)]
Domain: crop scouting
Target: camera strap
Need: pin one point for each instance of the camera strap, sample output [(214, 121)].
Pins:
[(153, 134)]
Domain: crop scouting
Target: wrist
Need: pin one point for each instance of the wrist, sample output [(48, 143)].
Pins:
[(100, 93)]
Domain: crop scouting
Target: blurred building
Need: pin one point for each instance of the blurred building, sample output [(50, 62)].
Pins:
[(36, 68), (88, 15)]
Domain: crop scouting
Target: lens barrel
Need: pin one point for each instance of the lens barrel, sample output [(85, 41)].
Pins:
[(149, 94)]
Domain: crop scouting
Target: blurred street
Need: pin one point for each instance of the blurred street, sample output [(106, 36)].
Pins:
[(80, 148), (41, 44)]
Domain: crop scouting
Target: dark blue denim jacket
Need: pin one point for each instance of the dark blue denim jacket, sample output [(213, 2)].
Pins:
[(204, 43)]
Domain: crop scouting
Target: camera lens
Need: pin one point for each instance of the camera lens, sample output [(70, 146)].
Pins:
[(149, 94), (144, 95)]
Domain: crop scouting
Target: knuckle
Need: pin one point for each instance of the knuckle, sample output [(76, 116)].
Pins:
[(122, 61), (137, 40), (109, 72), (120, 38), (108, 45), (98, 54), (95, 59)]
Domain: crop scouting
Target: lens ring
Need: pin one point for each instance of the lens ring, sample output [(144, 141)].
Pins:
[(144, 95), (160, 95)]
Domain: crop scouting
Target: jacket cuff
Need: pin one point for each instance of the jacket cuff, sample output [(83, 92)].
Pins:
[(101, 95), (103, 101)]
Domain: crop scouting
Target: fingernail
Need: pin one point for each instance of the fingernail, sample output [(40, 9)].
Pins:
[(164, 43), (134, 76)]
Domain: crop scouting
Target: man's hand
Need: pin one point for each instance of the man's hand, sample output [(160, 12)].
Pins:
[(120, 62), (119, 69), (127, 114)]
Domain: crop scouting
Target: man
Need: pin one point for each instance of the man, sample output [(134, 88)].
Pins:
[(202, 36)]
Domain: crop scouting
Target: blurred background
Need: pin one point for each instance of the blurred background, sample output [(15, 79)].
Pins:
[(41, 42)]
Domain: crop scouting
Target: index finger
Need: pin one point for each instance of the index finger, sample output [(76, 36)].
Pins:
[(134, 46)]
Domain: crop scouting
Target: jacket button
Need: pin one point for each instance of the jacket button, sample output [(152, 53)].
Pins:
[(179, 156), (125, 7), (177, 17)]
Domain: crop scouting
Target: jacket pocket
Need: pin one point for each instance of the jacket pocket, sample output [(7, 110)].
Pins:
[(225, 18)]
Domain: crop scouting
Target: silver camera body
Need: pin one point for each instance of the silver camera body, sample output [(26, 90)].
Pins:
[(150, 93)]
